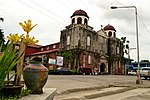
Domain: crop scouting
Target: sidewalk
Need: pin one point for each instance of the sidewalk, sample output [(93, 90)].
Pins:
[(66, 85), (48, 94)]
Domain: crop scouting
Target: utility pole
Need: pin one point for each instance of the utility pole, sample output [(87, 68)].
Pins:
[(138, 80)]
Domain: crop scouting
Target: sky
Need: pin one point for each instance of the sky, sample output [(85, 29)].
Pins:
[(53, 15)]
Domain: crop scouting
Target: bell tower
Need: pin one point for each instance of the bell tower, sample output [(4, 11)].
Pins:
[(110, 31), (79, 17)]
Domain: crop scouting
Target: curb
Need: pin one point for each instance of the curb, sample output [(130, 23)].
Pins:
[(83, 89), (101, 87), (92, 96)]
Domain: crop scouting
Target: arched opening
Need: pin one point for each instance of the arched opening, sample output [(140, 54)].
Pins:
[(85, 21), (68, 40), (102, 68), (79, 20), (73, 20), (88, 40), (109, 34), (114, 34)]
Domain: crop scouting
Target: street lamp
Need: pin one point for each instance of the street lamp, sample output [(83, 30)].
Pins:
[(138, 80), (2, 19)]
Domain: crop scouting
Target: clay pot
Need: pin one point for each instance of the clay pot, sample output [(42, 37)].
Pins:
[(35, 76)]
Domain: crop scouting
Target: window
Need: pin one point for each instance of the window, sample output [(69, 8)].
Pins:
[(109, 34), (73, 21), (47, 48), (85, 21), (79, 20), (68, 40), (54, 46), (88, 40), (84, 60), (114, 34), (118, 50), (89, 59)]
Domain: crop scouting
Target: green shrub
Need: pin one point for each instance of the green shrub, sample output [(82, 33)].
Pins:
[(74, 71), (8, 60), (50, 71)]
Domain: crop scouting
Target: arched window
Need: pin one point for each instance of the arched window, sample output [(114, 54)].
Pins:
[(109, 34), (79, 20), (88, 40), (73, 20), (89, 59), (114, 34), (85, 21), (68, 40)]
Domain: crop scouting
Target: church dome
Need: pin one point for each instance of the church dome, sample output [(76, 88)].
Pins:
[(109, 27), (80, 12)]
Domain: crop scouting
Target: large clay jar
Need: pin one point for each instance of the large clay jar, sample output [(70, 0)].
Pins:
[(35, 75)]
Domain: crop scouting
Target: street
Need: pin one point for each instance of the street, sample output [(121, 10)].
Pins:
[(98, 87)]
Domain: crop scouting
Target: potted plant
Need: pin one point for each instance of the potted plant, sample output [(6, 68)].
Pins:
[(7, 62), (18, 56)]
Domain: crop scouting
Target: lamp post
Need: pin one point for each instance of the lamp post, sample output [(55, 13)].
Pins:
[(138, 80)]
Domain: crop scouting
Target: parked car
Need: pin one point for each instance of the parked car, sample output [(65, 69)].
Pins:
[(85, 71), (145, 72), (102, 73), (132, 72), (62, 71)]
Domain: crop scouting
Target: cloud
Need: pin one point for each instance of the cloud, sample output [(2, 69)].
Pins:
[(57, 16)]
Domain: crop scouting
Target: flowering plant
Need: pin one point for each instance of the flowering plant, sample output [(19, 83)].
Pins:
[(18, 57), (7, 62), (27, 40)]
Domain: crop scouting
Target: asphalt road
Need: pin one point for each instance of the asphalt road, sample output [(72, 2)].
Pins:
[(98, 87)]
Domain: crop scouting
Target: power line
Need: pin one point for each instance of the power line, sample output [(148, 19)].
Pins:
[(137, 15), (92, 11), (47, 10), (144, 24), (119, 2), (40, 12), (64, 5)]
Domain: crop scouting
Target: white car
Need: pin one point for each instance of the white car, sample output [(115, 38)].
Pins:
[(132, 72), (145, 72)]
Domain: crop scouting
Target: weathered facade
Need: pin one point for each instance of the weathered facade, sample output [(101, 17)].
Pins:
[(102, 51), (99, 50)]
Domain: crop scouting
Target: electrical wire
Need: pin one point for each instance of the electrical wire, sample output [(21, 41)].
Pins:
[(92, 12), (48, 10), (137, 15), (40, 12), (65, 5)]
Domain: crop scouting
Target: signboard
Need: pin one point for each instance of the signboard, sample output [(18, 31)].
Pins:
[(52, 61), (59, 60)]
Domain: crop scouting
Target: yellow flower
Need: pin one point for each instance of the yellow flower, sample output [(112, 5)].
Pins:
[(27, 26), (14, 38), (27, 40)]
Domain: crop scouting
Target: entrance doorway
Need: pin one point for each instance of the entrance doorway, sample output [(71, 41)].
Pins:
[(102, 68)]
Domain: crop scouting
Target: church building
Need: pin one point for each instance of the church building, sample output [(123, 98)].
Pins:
[(100, 50)]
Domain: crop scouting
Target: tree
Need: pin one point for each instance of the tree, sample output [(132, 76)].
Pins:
[(126, 50), (125, 45), (1, 36), (68, 57)]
